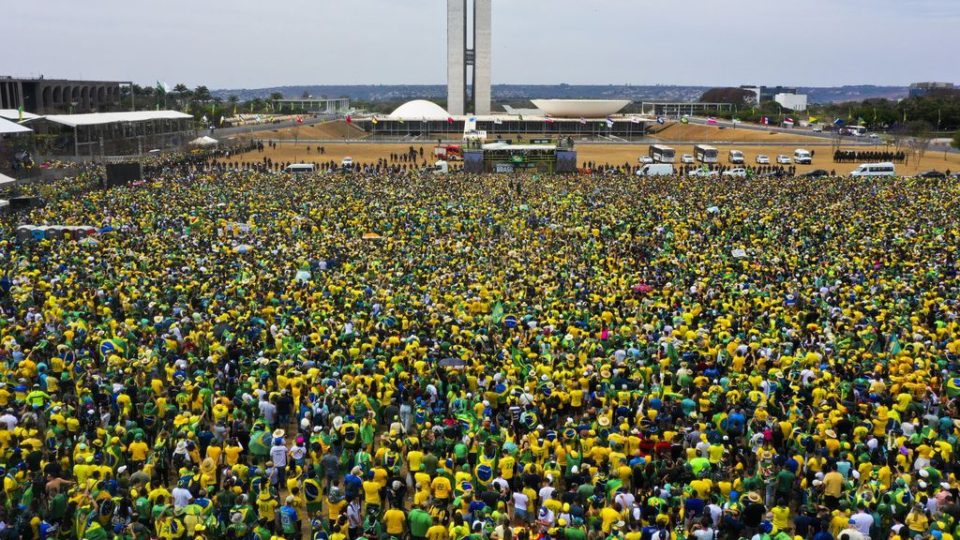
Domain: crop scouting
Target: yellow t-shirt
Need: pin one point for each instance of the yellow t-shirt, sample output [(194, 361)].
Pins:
[(394, 520), (138, 450), (371, 492)]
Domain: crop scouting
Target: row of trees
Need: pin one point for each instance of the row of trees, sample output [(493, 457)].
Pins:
[(940, 109)]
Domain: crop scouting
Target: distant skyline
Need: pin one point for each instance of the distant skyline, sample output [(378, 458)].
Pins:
[(251, 44)]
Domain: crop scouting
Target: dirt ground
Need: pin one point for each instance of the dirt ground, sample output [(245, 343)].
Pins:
[(317, 132), (611, 154)]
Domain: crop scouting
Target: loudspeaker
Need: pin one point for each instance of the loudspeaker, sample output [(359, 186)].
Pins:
[(121, 174)]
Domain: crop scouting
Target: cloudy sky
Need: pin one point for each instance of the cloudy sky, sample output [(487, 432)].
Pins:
[(256, 43)]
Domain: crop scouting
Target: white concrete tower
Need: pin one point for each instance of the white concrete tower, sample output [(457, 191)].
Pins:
[(482, 29), (456, 56)]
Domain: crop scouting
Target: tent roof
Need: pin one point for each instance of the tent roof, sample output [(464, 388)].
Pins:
[(14, 114), (7, 126), (204, 141), (4, 179), (92, 119)]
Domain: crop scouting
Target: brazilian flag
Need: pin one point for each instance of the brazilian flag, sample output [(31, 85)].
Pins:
[(111, 346)]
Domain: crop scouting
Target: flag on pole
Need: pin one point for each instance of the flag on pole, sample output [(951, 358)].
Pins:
[(375, 120), (497, 121), (583, 121), (300, 119), (711, 121), (473, 118), (204, 119), (20, 113), (685, 119), (765, 120), (349, 119), (661, 120), (400, 121), (449, 119), (812, 119), (521, 117), (788, 121), (549, 119), (610, 123), (838, 122), (635, 120)]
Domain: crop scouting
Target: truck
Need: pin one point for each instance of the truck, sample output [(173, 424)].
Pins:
[(735, 157), (448, 152), (802, 157)]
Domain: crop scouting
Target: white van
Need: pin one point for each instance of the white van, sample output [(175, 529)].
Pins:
[(300, 168), (655, 169), (875, 169), (441, 167), (802, 157), (735, 157)]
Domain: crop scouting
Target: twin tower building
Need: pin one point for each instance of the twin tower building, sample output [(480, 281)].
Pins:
[(468, 56)]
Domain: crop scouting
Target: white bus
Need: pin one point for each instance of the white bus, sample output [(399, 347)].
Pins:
[(662, 154), (875, 169), (705, 154)]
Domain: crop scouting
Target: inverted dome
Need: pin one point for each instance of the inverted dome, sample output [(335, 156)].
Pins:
[(574, 108), (420, 108)]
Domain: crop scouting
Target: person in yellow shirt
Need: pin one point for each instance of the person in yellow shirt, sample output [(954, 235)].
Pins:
[(441, 489), (609, 516), (395, 522)]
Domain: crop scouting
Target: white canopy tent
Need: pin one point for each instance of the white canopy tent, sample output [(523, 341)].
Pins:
[(8, 127), (4, 180), (92, 119), (15, 115), (204, 141)]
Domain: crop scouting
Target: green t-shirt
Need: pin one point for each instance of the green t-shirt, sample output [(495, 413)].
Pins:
[(573, 533), (420, 521)]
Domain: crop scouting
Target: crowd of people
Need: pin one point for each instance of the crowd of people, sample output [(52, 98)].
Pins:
[(398, 356), (868, 156)]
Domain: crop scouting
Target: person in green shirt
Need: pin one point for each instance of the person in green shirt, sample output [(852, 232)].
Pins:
[(420, 522)]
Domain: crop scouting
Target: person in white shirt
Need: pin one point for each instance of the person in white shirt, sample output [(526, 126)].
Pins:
[(181, 496), (862, 521)]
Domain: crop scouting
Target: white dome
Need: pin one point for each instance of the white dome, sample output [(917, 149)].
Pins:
[(420, 108), (587, 108)]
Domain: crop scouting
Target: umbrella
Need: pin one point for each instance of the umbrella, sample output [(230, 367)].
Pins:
[(452, 363), (89, 241), (243, 248)]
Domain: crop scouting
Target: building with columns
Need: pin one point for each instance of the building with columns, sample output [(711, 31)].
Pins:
[(51, 96)]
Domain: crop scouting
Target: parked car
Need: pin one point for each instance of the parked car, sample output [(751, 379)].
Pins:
[(736, 157), (736, 172), (646, 159), (763, 159), (703, 173), (346, 162), (816, 173), (874, 136), (687, 159), (932, 174), (783, 160)]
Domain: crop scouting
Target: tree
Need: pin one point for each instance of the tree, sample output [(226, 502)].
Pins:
[(919, 141), (201, 93), (275, 96), (734, 96)]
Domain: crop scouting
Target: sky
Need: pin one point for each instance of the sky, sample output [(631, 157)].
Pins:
[(256, 43)]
